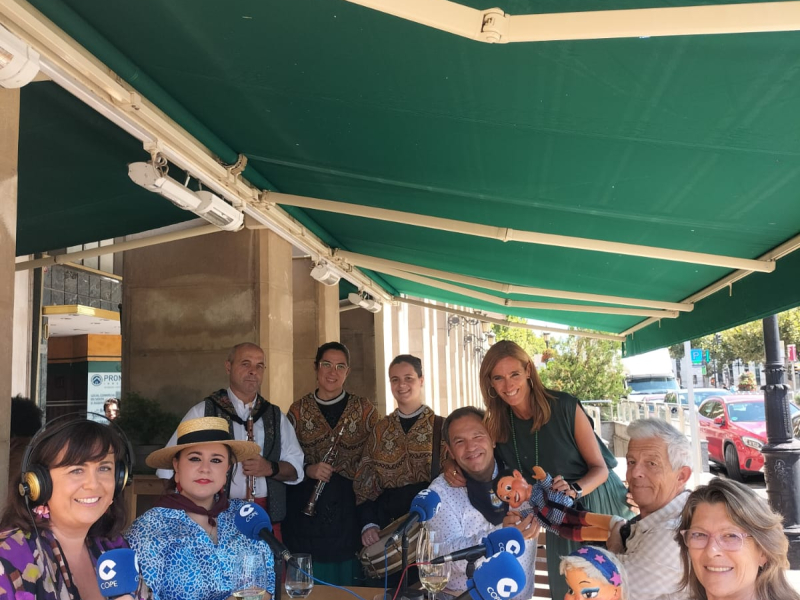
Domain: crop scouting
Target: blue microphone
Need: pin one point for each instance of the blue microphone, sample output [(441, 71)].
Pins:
[(117, 572), (423, 508), (507, 539), (253, 521), (501, 577)]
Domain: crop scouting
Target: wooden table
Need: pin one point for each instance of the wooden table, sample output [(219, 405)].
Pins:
[(326, 592)]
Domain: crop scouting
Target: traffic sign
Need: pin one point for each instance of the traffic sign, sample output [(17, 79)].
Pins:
[(697, 356)]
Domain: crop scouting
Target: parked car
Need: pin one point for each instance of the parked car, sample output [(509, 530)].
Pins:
[(700, 394), (735, 428)]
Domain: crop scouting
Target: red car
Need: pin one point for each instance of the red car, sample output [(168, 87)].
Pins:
[(735, 429)]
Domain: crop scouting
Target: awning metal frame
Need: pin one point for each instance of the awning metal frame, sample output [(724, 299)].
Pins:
[(506, 234), (494, 26), (380, 264)]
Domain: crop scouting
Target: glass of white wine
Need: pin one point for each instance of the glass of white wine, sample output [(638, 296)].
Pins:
[(251, 581), (433, 578), (300, 581)]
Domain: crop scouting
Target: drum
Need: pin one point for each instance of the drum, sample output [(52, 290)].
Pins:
[(372, 557)]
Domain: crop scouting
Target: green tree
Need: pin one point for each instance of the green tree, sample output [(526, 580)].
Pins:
[(744, 342), (588, 369), (525, 338)]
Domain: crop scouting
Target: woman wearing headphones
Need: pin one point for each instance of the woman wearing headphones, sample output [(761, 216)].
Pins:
[(71, 511)]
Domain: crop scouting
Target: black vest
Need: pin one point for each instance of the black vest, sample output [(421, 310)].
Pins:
[(271, 419)]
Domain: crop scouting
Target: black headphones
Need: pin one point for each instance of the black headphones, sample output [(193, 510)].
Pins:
[(36, 486)]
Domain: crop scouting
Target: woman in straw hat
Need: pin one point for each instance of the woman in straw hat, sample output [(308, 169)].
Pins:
[(188, 545)]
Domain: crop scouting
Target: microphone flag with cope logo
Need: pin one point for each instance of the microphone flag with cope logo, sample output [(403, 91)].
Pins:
[(501, 577), (426, 504), (251, 519), (117, 572), (507, 539)]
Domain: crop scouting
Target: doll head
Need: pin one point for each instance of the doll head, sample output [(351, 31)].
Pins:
[(593, 573), (510, 486)]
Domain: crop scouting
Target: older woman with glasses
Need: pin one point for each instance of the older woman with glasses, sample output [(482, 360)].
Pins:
[(321, 515), (733, 545)]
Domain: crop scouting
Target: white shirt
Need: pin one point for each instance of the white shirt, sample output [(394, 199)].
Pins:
[(653, 557), (460, 526), (291, 451)]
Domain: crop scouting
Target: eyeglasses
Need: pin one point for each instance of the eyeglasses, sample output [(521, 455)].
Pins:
[(327, 366), (730, 542)]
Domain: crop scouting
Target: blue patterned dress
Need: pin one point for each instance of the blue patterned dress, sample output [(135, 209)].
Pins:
[(180, 562)]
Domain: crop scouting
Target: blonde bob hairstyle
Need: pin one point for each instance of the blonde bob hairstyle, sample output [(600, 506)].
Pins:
[(497, 420), (754, 516)]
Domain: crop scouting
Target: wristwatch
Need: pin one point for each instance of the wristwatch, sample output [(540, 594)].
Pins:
[(276, 467), (576, 487)]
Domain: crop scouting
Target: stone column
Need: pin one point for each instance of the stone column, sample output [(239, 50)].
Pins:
[(186, 303), (359, 329), (384, 345), (275, 326), (316, 321), (9, 144), (444, 362)]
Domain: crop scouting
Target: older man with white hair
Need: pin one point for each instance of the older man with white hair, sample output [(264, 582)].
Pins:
[(659, 465)]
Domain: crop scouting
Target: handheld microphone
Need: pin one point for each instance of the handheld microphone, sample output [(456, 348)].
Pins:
[(507, 539), (423, 508), (253, 521), (501, 577), (117, 572)]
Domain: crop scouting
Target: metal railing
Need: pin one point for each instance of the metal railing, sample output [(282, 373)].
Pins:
[(675, 414)]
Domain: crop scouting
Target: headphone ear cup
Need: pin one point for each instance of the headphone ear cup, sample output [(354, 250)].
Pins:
[(122, 474), (37, 485)]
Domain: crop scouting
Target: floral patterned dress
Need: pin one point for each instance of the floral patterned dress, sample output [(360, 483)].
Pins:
[(27, 568)]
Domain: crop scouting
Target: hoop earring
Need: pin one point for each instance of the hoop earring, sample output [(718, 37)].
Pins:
[(490, 394), (530, 382)]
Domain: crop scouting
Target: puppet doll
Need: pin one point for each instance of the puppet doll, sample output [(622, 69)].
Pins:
[(594, 573), (553, 509)]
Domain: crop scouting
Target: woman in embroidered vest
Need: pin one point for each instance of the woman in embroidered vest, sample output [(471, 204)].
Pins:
[(332, 536), (73, 511), (398, 460), (188, 546), (536, 426)]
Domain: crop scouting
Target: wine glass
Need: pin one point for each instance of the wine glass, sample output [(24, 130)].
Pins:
[(300, 579), (434, 578), (251, 580)]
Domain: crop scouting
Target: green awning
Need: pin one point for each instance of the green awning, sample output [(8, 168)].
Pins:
[(688, 143)]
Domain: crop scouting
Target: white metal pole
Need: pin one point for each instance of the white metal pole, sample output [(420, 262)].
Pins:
[(697, 461)]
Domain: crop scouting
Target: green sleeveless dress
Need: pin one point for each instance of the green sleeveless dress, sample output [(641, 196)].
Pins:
[(558, 454)]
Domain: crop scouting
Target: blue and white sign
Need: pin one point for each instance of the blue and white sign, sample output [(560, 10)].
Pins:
[(102, 386), (697, 356)]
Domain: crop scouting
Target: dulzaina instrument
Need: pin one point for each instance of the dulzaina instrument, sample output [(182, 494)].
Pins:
[(330, 456)]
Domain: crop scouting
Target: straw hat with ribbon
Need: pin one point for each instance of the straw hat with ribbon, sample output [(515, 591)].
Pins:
[(205, 430)]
